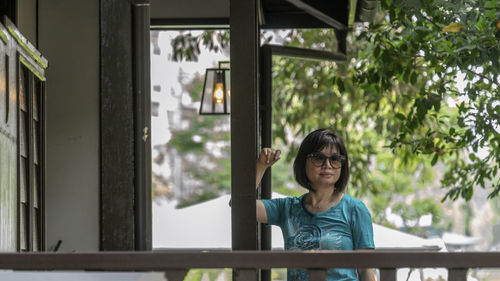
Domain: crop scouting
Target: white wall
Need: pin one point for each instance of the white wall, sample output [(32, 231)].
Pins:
[(69, 39)]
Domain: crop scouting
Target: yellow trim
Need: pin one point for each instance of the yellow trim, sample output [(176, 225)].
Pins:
[(20, 41), (2, 34), (31, 68)]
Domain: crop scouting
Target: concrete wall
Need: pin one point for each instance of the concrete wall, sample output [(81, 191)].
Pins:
[(69, 39), (26, 19)]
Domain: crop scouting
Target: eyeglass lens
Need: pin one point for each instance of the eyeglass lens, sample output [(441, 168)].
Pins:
[(320, 159)]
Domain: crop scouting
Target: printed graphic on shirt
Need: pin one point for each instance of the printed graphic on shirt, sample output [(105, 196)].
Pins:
[(307, 238)]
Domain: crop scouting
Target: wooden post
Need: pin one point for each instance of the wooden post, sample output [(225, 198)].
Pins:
[(116, 127), (388, 274), (244, 90), (266, 113), (457, 274), (317, 274), (142, 125)]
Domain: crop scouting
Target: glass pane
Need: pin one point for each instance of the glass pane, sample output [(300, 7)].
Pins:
[(35, 99), (23, 135), (35, 187), (35, 230), (35, 142), (4, 81), (22, 180), (22, 90), (23, 241)]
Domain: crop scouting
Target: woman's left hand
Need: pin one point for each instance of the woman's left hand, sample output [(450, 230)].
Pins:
[(268, 157)]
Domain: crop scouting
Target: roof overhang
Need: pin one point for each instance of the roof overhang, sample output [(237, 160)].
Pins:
[(338, 14)]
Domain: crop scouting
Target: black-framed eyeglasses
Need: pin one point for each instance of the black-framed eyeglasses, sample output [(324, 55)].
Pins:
[(318, 159)]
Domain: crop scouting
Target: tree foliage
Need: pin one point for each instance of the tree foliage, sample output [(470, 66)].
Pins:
[(421, 80), (208, 169), (440, 42)]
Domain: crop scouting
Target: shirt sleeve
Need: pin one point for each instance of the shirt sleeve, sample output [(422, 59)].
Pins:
[(362, 227), (275, 210)]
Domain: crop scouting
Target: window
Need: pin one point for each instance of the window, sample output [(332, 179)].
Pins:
[(31, 160), (190, 152)]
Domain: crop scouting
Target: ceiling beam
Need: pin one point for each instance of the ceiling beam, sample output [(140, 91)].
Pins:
[(318, 14)]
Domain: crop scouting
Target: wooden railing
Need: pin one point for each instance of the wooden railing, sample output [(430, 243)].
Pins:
[(247, 262)]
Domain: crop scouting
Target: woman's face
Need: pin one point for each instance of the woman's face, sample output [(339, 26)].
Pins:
[(324, 176)]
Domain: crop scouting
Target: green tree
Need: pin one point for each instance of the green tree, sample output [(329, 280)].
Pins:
[(436, 41), (214, 175), (399, 90)]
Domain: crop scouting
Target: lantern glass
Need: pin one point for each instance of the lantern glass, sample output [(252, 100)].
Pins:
[(216, 92)]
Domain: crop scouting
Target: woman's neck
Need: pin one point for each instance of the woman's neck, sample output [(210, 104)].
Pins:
[(323, 199)]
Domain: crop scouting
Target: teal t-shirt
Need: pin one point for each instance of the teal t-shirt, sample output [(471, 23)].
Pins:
[(345, 226)]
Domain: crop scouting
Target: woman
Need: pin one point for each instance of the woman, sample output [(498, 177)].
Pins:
[(325, 218)]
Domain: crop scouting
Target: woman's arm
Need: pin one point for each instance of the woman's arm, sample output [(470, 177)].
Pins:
[(366, 274), (267, 158)]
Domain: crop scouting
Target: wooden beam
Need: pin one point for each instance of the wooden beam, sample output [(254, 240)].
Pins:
[(317, 274), (458, 262), (244, 55), (388, 274), (266, 121), (142, 125), (244, 88), (457, 274), (306, 54), (116, 127), (318, 14)]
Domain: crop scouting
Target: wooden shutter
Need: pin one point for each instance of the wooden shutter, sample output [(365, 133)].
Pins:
[(31, 136), (22, 142)]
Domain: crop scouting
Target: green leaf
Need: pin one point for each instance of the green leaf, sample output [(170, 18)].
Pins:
[(413, 77), (467, 193), (400, 116), (434, 159)]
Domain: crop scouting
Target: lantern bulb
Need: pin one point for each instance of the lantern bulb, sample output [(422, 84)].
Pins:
[(219, 93)]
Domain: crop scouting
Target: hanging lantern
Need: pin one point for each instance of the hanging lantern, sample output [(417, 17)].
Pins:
[(215, 95)]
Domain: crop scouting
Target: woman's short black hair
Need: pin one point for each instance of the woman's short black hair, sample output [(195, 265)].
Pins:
[(315, 142)]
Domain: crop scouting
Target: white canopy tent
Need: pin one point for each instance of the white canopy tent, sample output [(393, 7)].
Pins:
[(208, 225)]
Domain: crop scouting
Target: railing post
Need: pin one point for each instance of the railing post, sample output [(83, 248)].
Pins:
[(245, 274), (317, 274), (457, 274), (176, 274), (388, 274)]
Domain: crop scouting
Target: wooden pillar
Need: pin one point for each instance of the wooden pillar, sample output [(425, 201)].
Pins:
[(317, 274), (388, 274), (142, 125), (125, 125), (266, 114), (457, 274), (116, 127), (244, 116)]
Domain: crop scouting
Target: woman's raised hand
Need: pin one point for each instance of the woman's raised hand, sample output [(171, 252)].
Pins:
[(267, 157)]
